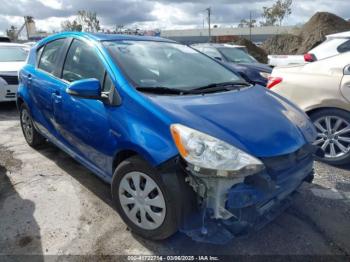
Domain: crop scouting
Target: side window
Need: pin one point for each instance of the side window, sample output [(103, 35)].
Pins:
[(345, 47), (50, 55), (82, 63)]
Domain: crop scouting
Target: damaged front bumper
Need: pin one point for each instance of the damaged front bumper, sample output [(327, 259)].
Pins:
[(231, 207)]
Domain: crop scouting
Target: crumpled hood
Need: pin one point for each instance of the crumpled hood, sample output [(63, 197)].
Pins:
[(254, 119)]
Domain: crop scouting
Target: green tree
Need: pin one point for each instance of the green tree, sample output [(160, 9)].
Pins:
[(247, 23), (89, 21), (276, 13), (85, 21), (71, 26)]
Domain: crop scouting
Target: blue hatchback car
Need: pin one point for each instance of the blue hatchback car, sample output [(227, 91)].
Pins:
[(185, 143)]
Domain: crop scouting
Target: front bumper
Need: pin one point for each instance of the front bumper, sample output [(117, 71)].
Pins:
[(255, 202)]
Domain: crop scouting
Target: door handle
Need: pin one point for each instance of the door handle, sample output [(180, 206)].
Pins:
[(29, 80), (56, 97)]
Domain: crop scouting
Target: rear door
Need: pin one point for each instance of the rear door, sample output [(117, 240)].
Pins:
[(44, 85)]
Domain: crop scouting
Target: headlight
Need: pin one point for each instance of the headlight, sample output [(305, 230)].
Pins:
[(206, 152), (265, 74)]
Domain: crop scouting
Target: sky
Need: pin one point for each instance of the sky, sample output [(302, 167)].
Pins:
[(162, 14)]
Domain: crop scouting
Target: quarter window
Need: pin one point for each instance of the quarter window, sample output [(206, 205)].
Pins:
[(50, 56), (82, 63)]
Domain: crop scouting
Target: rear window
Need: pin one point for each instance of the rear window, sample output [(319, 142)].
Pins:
[(12, 54), (345, 47)]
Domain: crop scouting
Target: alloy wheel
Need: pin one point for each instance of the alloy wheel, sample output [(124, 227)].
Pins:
[(142, 200), (333, 136), (27, 125)]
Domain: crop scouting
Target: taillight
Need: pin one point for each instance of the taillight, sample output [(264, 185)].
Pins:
[(272, 81), (309, 58)]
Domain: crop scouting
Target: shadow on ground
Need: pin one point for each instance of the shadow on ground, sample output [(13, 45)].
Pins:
[(17, 215)]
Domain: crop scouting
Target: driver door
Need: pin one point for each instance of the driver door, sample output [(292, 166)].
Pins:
[(84, 123)]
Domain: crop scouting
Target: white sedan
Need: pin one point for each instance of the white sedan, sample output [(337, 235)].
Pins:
[(322, 90), (12, 58)]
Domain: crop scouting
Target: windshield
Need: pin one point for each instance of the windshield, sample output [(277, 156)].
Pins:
[(12, 54), (237, 55), (170, 65)]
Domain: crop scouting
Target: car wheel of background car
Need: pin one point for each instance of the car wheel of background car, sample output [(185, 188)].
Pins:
[(333, 135), (32, 136), (143, 201)]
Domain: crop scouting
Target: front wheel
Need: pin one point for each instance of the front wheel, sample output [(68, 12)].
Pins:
[(333, 135), (143, 200)]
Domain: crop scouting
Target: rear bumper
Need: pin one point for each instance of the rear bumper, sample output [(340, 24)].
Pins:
[(8, 92), (253, 204)]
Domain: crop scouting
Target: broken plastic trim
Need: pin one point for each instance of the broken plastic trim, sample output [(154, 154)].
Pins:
[(235, 207)]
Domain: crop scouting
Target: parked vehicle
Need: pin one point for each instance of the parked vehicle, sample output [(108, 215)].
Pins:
[(12, 58), (185, 143), (237, 58), (4, 39), (322, 90), (333, 45)]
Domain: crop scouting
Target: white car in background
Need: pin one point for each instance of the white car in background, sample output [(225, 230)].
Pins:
[(322, 90), (12, 58), (333, 45)]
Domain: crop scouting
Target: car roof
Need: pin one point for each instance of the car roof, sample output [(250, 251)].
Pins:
[(105, 37), (339, 35), (215, 45), (12, 44)]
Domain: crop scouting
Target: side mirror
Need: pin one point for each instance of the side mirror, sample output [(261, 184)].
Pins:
[(85, 88)]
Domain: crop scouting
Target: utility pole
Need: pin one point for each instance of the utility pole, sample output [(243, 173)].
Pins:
[(250, 26), (209, 29)]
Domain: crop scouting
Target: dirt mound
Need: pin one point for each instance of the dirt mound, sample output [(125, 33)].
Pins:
[(312, 34), (257, 52), (283, 44), (321, 24)]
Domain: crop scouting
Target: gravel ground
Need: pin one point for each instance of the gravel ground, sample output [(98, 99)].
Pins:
[(50, 204)]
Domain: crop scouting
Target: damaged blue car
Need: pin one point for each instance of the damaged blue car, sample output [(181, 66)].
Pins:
[(186, 144)]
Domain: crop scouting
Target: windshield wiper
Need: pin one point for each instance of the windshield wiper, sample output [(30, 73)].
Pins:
[(161, 90), (215, 87)]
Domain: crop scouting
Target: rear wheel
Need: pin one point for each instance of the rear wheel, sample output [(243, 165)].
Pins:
[(33, 138), (333, 135), (143, 200)]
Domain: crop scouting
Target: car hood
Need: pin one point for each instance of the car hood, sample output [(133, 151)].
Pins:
[(254, 120), (255, 66), (11, 66)]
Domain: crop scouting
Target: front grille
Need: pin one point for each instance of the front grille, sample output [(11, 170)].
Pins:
[(280, 166), (10, 94), (10, 80)]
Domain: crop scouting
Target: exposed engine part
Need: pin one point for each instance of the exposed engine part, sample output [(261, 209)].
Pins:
[(213, 191)]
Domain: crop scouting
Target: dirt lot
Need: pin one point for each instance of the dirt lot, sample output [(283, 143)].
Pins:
[(49, 204)]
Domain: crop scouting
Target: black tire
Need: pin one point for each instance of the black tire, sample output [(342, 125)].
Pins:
[(34, 138), (170, 223), (332, 112)]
